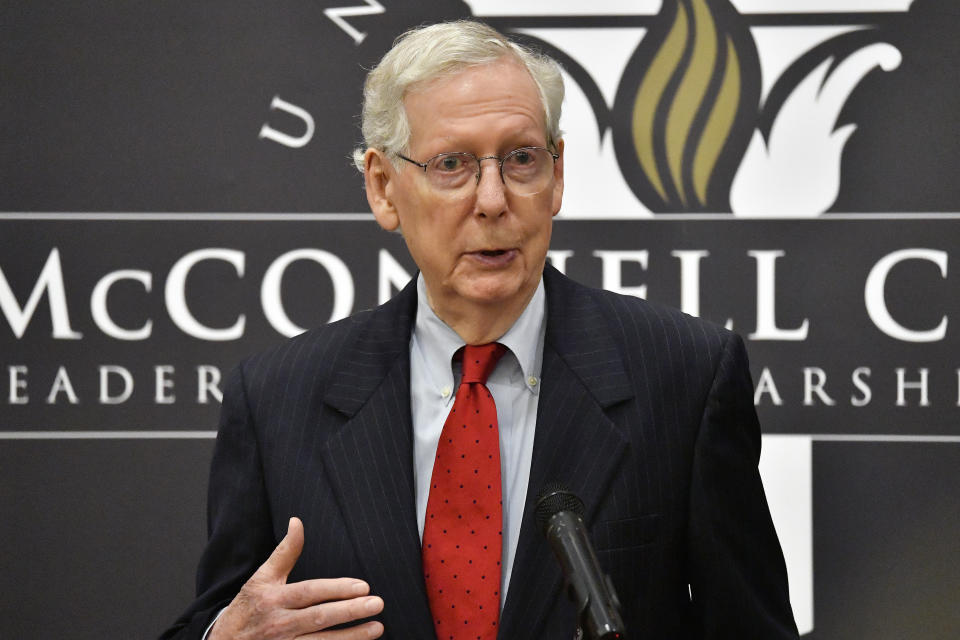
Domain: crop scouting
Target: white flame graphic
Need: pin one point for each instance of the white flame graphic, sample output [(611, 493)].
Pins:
[(798, 173)]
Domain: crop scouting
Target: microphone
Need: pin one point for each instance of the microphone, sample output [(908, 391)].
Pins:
[(560, 517)]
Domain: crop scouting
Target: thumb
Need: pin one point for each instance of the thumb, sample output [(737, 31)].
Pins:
[(280, 563)]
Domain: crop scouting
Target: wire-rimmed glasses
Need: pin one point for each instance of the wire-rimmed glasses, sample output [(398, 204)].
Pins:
[(524, 171)]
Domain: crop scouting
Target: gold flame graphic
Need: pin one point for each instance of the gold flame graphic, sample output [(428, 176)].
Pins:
[(692, 33)]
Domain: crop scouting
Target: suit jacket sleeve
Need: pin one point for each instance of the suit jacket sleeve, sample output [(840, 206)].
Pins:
[(738, 577), (238, 516)]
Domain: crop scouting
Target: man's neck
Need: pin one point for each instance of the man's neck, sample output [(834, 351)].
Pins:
[(480, 323)]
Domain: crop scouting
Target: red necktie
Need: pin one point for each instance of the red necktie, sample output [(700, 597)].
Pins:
[(463, 529)]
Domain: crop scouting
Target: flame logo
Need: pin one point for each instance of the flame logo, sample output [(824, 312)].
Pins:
[(686, 107)]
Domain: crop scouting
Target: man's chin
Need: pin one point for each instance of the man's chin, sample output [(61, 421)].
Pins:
[(497, 292)]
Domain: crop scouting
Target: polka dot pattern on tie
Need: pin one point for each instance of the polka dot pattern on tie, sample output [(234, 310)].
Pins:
[(462, 532)]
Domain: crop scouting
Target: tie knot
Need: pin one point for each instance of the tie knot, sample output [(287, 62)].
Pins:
[(479, 361)]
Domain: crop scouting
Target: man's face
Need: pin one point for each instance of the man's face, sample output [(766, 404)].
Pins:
[(488, 246)]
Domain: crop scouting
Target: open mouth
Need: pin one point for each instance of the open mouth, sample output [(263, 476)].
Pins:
[(494, 258)]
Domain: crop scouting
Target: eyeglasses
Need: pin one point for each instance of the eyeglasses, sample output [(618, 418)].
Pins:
[(525, 171)]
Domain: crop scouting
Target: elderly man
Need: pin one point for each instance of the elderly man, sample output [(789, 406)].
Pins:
[(403, 447)]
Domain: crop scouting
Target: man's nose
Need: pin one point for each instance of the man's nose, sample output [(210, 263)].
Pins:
[(491, 191)]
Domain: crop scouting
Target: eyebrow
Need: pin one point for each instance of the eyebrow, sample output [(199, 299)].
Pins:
[(503, 150)]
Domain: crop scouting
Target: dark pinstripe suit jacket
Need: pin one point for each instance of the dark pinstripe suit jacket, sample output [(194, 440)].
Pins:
[(645, 413)]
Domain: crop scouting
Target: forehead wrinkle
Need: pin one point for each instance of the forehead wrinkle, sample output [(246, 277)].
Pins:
[(510, 130)]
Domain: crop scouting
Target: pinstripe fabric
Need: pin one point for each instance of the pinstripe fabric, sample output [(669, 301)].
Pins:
[(645, 413)]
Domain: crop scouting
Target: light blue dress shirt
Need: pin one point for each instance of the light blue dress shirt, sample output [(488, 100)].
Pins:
[(515, 385)]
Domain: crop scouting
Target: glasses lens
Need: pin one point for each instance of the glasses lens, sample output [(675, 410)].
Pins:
[(527, 170), (452, 171)]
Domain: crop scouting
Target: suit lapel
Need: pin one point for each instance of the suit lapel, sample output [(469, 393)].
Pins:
[(369, 461), (576, 443)]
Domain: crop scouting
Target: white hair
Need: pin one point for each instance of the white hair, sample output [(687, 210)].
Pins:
[(426, 53)]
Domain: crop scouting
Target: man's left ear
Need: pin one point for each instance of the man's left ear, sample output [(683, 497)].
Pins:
[(558, 178), (377, 172)]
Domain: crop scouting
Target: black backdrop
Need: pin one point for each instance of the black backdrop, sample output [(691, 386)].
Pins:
[(175, 193)]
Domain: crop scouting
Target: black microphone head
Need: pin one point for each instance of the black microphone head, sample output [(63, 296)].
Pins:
[(554, 498)]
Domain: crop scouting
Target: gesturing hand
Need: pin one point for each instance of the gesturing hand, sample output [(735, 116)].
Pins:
[(267, 608)]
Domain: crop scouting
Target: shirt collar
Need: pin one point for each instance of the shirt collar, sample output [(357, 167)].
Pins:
[(438, 342)]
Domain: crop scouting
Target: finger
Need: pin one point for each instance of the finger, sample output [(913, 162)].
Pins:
[(280, 563), (331, 614), (299, 595), (367, 630)]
